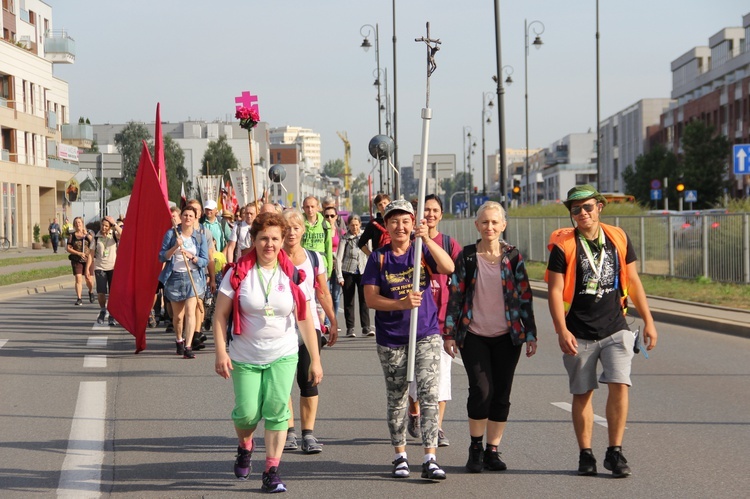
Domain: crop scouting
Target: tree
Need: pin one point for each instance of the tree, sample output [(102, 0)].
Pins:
[(451, 186), (128, 143), (174, 159), (334, 168), (658, 164), (219, 158), (358, 192), (704, 162)]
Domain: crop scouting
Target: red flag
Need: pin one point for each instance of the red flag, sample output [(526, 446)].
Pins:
[(161, 169), (183, 197), (137, 266)]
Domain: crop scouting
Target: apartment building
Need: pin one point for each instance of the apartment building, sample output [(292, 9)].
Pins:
[(712, 84), (624, 137), (570, 161), (308, 140), (34, 120)]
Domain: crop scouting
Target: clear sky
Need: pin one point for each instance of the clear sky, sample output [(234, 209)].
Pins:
[(303, 59)]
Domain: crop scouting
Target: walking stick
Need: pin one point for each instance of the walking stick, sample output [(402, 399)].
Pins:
[(432, 48), (189, 273)]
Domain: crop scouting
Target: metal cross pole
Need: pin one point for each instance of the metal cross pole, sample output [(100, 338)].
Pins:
[(432, 48)]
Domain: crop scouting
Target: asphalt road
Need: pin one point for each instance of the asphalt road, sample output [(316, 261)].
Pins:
[(84, 417)]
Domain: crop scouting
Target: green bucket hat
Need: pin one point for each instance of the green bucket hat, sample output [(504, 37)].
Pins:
[(582, 192)]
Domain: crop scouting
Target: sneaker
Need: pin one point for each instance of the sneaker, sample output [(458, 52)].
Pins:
[(370, 332), (414, 426), (350, 333), (586, 463), (243, 465), (102, 315), (475, 463), (291, 441), (197, 344), (615, 462), (112, 321), (442, 439), (79, 303), (492, 461), (432, 471), (91, 297), (180, 347), (169, 328), (272, 481), (310, 445), (151, 320), (201, 337), (188, 354), (400, 468)]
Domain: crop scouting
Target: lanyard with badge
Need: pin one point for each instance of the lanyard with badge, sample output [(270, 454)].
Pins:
[(593, 286), (267, 308)]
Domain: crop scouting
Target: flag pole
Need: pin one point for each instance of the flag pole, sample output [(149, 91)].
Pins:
[(187, 265), (432, 48), (252, 169)]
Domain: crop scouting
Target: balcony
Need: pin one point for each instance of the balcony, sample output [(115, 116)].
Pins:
[(79, 135), (59, 47)]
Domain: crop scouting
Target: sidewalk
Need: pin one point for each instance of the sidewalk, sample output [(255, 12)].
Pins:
[(694, 315)]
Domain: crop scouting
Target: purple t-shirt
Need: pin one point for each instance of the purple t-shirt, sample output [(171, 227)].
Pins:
[(395, 280)]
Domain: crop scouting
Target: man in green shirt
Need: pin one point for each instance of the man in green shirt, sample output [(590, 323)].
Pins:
[(318, 234)]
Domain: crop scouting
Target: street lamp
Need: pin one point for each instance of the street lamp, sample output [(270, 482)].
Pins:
[(486, 102), (538, 30), (366, 31), (397, 187), (506, 70), (468, 150)]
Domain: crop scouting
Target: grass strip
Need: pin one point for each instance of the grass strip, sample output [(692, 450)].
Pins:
[(22, 260), (34, 275)]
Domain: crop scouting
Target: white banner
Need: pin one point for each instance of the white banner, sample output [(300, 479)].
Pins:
[(242, 181), (64, 151), (209, 186)]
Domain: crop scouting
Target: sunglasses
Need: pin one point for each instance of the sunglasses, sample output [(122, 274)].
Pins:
[(330, 216), (576, 210)]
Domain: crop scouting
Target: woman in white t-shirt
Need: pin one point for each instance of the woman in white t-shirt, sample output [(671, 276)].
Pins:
[(262, 354), (318, 289)]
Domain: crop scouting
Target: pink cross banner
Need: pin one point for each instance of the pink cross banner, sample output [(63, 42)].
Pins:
[(247, 100)]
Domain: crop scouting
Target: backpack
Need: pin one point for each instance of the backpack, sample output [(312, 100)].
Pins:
[(114, 236), (385, 237), (315, 261)]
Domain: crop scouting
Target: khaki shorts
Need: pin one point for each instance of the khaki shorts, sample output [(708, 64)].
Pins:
[(615, 354)]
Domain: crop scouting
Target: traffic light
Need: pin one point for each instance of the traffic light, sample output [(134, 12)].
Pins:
[(516, 187), (680, 187), (476, 189)]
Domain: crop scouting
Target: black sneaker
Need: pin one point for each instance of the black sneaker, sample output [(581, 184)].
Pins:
[(91, 297), (243, 465), (79, 302), (431, 470), (169, 328), (475, 463), (112, 321), (272, 481), (102, 315), (492, 461), (188, 354), (180, 347), (151, 320), (586, 463), (615, 462), (400, 468), (201, 337)]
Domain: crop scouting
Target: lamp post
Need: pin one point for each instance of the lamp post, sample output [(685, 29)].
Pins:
[(538, 30), (500, 101), (469, 147), (396, 187), (486, 102), (507, 70), (365, 31)]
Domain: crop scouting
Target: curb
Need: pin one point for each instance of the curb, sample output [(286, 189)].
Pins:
[(36, 287), (681, 318)]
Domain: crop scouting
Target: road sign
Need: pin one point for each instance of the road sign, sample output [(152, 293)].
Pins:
[(89, 196), (655, 184), (741, 155), (461, 205), (480, 200), (655, 194), (93, 161), (691, 196)]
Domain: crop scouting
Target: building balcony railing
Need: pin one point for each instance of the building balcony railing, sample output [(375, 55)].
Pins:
[(59, 47), (77, 131), (58, 164)]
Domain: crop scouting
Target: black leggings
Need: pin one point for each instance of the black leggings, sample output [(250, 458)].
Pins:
[(352, 281), (303, 370), (490, 364)]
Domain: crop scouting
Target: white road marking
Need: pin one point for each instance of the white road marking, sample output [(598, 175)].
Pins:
[(94, 361), (100, 327), (567, 407), (97, 341), (81, 472), (2, 343)]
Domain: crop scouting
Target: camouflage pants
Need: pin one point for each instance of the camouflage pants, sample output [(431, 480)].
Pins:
[(427, 374)]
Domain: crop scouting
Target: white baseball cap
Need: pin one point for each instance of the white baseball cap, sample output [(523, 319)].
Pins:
[(210, 205)]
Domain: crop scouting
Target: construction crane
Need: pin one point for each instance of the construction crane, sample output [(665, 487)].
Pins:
[(347, 171)]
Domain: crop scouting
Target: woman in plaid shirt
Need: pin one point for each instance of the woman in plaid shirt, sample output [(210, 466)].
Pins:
[(350, 263)]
